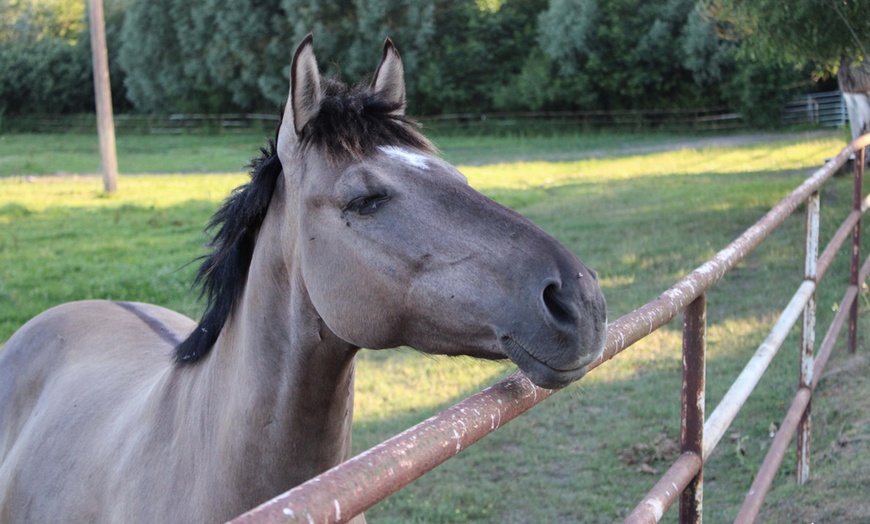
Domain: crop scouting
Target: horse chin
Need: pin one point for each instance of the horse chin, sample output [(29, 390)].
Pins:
[(540, 373), (484, 354)]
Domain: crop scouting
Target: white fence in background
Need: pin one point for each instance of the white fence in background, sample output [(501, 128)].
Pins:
[(826, 109)]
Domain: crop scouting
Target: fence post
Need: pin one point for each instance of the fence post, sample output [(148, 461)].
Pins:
[(692, 416), (808, 339), (856, 249)]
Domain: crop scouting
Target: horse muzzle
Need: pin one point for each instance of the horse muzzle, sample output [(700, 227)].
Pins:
[(562, 330)]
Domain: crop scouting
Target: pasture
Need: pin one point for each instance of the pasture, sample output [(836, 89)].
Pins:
[(642, 216)]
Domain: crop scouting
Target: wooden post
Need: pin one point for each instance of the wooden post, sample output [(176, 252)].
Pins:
[(103, 95)]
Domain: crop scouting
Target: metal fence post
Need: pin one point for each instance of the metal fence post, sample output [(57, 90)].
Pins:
[(856, 249), (692, 416), (808, 339)]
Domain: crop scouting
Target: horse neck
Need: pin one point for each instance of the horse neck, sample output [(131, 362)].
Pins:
[(282, 381)]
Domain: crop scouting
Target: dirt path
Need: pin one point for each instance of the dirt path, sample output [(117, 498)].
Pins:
[(745, 139)]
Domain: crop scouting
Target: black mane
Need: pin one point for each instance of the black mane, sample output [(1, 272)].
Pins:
[(351, 124), (223, 273)]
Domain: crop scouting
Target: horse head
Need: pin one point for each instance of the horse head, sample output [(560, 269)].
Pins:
[(397, 249)]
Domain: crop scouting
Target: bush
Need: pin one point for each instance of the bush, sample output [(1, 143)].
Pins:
[(45, 58), (759, 91), (47, 76)]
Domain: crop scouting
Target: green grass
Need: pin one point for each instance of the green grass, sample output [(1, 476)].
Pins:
[(51, 154), (642, 220), (840, 479)]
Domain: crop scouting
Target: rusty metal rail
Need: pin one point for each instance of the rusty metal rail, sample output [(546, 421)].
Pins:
[(349, 489)]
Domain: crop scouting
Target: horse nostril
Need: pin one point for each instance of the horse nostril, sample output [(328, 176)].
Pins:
[(556, 306)]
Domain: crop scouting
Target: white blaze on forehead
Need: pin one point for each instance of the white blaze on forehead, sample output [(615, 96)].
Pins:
[(409, 157)]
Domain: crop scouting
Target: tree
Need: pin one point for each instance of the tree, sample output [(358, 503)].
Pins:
[(477, 54), (44, 61), (622, 51), (410, 23), (244, 47), (568, 34), (45, 19), (746, 83), (224, 55), (162, 54), (830, 34), (710, 58), (150, 55), (48, 76), (822, 32)]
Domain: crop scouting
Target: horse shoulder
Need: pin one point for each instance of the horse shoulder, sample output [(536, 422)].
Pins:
[(79, 332), (56, 399)]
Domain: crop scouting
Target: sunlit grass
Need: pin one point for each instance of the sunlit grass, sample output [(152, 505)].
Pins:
[(159, 192), (770, 157), (398, 383)]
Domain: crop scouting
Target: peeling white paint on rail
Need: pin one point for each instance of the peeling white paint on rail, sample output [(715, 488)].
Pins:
[(657, 508)]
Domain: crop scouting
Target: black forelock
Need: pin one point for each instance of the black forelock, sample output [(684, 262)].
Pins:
[(354, 121), (351, 124)]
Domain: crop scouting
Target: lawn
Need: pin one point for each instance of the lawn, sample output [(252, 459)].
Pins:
[(639, 211)]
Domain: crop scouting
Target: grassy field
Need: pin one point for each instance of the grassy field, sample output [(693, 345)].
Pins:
[(643, 216), (26, 154)]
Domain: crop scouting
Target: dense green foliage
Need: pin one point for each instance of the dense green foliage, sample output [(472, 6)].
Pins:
[(776, 38), (48, 68), (45, 57), (799, 31), (460, 55)]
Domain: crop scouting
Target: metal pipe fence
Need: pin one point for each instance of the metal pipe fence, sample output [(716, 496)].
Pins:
[(352, 487)]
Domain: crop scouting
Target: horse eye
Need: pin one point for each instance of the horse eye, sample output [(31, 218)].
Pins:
[(367, 205)]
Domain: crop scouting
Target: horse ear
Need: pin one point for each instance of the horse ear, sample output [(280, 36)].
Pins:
[(389, 78), (303, 102)]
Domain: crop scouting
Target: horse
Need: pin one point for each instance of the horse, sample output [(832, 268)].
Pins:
[(351, 233)]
